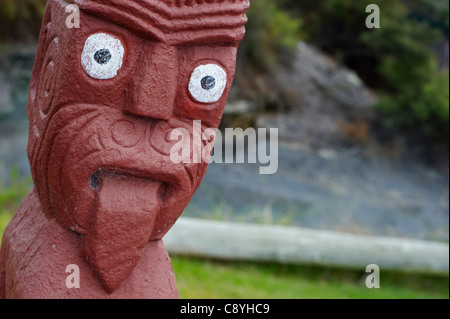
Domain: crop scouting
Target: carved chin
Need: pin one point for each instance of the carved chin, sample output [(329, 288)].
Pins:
[(120, 228)]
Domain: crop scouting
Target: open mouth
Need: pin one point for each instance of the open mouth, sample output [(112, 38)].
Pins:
[(95, 180), (165, 190)]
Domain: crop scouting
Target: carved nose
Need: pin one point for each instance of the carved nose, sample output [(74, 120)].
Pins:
[(153, 86)]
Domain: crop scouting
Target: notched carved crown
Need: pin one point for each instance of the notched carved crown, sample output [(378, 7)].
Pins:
[(175, 21), (186, 3)]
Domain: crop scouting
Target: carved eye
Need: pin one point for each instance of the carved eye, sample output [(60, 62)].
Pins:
[(102, 56), (208, 83)]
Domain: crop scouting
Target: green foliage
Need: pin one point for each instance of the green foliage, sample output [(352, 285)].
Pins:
[(11, 196), (416, 94), (20, 20), (424, 107), (270, 32), (395, 59), (434, 12), (433, 101)]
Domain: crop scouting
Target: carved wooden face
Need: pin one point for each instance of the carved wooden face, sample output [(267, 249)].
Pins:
[(104, 100)]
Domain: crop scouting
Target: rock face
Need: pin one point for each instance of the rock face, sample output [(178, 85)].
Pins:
[(5, 95), (329, 100), (104, 102)]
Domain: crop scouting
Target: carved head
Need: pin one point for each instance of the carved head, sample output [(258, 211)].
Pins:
[(104, 99)]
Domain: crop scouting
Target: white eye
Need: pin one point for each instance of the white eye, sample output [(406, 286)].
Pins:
[(208, 83), (102, 56)]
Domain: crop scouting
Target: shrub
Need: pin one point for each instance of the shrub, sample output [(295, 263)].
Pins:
[(20, 20), (11, 196), (270, 33), (395, 59)]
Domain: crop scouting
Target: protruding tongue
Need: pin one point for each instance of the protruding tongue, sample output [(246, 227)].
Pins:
[(121, 227)]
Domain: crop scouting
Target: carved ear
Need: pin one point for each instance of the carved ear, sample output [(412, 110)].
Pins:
[(44, 42), (34, 108), (44, 92)]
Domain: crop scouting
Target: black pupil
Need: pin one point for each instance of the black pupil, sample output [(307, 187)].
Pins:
[(208, 83), (102, 56)]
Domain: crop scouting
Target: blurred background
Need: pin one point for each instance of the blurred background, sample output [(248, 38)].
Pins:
[(363, 118)]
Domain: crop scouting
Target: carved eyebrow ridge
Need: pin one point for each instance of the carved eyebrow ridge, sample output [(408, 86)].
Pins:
[(170, 22)]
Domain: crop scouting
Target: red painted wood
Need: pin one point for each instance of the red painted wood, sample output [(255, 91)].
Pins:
[(106, 191)]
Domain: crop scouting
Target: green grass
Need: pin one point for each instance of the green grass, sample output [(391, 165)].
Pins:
[(208, 279), (11, 196)]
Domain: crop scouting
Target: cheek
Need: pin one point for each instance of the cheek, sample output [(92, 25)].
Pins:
[(209, 114)]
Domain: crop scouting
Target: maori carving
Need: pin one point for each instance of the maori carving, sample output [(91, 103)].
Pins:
[(104, 99)]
